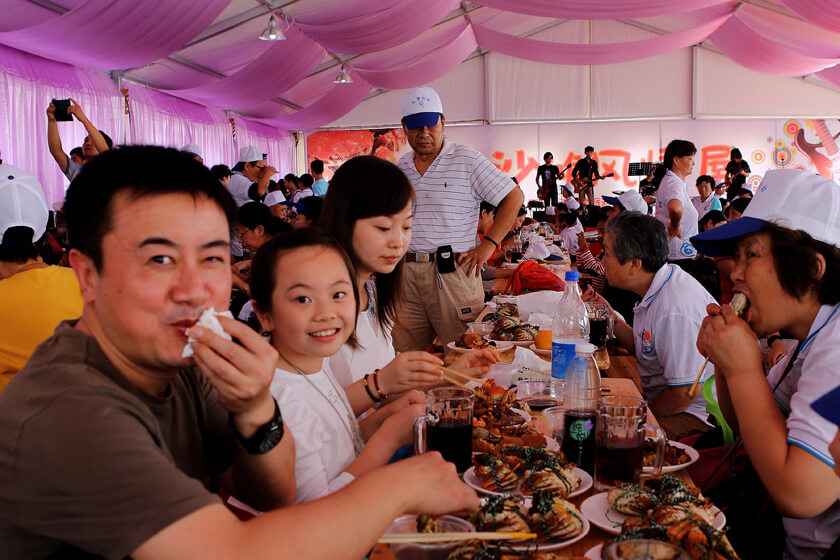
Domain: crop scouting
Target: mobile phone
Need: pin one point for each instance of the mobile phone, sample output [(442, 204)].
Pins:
[(61, 106)]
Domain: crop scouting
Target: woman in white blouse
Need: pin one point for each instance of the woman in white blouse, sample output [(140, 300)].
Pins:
[(673, 206), (369, 209)]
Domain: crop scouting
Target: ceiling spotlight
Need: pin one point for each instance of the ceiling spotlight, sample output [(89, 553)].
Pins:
[(343, 77), (271, 31)]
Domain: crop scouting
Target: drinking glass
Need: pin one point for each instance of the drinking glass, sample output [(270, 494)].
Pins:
[(540, 393), (447, 425), (601, 324), (620, 441)]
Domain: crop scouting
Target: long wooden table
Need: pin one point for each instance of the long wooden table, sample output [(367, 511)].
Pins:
[(616, 386)]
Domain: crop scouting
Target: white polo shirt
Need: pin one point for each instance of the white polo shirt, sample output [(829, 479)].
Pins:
[(665, 327), (704, 206), (238, 187), (449, 194), (814, 372), (673, 188)]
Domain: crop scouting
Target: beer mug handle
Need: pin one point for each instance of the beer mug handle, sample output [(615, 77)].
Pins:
[(660, 440), (420, 434)]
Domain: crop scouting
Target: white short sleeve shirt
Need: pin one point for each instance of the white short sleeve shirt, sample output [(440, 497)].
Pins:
[(375, 351), (665, 327), (449, 194), (673, 188), (814, 372), (323, 446), (238, 187)]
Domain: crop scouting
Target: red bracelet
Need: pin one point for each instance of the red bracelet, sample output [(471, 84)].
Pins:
[(382, 395)]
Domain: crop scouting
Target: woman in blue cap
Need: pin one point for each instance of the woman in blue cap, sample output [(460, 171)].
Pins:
[(787, 264)]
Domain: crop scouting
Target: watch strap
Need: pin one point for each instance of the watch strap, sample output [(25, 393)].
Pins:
[(265, 438)]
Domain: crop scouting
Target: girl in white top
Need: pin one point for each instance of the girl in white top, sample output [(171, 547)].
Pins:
[(673, 207), (792, 280), (368, 209), (303, 293)]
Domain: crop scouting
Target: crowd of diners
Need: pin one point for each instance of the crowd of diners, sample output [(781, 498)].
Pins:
[(283, 432)]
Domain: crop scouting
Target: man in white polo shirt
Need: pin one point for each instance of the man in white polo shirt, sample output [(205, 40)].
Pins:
[(251, 176), (441, 281), (666, 321)]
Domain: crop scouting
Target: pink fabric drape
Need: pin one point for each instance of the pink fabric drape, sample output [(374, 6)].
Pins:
[(278, 144), (363, 26), (604, 53), (278, 69), (746, 47), (114, 34), (599, 9), (799, 36), (824, 13), (336, 103), (831, 75), (420, 68)]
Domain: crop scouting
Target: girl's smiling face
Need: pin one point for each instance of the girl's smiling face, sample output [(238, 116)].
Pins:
[(313, 311), (380, 242)]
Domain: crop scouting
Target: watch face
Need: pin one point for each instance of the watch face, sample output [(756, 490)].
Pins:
[(271, 439)]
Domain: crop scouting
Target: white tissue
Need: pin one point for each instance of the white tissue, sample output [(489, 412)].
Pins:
[(528, 359), (208, 321), (537, 250)]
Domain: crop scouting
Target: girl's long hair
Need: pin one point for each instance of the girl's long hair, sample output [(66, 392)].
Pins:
[(364, 187)]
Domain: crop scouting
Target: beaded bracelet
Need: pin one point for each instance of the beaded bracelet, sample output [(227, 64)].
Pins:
[(368, 391), (382, 395)]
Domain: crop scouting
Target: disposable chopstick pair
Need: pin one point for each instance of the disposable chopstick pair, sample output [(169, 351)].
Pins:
[(738, 304), (396, 538), (457, 382)]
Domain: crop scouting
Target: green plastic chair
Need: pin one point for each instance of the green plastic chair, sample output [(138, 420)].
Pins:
[(713, 408)]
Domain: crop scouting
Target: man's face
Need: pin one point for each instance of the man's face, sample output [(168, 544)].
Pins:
[(290, 185), (705, 189), (616, 272), (89, 149), (548, 160), (165, 260), (589, 154), (426, 141), (280, 211), (75, 158), (253, 170)]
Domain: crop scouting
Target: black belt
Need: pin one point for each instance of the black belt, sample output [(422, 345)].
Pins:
[(423, 257)]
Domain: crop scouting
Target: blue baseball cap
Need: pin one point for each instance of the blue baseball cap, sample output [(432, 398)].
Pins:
[(828, 406), (421, 107)]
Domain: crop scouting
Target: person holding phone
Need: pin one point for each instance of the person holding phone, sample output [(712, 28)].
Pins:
[(95, 142)]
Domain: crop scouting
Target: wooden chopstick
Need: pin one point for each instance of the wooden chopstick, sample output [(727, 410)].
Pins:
[(465, 386), (697, 380), (392, 538), (457, 373)]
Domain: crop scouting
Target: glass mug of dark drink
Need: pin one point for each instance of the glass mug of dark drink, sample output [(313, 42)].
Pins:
[(447, 425), (601, 324), (620, 441)]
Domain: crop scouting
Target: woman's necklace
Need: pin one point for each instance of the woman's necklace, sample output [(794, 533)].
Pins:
[(350, 424)]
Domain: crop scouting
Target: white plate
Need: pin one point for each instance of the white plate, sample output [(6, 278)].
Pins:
[(555, 545), (594, 553), (597, 509), (500, 345), (472, 480), (533, 348), (552, 445), (524, 343), (692, 453), (521, 413)]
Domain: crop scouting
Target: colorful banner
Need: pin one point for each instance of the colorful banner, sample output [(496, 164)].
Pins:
[(518, 149)]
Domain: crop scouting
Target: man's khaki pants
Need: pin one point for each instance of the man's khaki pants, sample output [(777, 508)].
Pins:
[(434, 304)]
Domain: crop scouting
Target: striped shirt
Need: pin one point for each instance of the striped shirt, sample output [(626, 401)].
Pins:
[(449, 194)]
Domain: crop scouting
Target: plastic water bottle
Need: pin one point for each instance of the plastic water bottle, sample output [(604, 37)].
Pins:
[(570, 326), (580, 407)]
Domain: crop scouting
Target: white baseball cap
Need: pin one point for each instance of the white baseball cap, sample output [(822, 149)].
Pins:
[(572, 203), (791, 198), (22, 203), (421, 107), (249, 154), (630, 200), (194, 150), (274, 198)]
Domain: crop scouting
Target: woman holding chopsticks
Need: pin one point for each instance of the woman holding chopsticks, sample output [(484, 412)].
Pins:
[(791, 277), (368, 209)]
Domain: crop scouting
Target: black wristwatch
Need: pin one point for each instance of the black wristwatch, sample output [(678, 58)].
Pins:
[(265, 438)]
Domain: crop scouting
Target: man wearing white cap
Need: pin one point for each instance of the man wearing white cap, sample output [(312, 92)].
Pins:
[(631, 201), (251, 176), (442, 288), (787, 264), (34, 297), (194, 151)]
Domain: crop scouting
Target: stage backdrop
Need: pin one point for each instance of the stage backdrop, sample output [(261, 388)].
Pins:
[(518, 149)]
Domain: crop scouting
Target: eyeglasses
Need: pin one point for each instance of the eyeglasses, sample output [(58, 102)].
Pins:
[(240, 233), (260, 167)]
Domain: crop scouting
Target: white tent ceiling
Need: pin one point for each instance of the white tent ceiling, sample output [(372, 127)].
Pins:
[(693, 82)]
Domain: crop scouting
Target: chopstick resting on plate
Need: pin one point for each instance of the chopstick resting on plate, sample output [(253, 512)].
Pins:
[(392, 538)]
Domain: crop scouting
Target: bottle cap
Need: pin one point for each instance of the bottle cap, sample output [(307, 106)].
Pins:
[(585, 348), (571, 276)]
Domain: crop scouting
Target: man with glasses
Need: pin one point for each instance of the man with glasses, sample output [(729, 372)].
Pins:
[(251, 176)]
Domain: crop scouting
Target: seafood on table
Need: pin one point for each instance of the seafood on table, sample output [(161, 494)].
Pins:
[(673, 455), (531, 470), (667, 509), (553, 518), (473, 341), (507, 325), (481, 550)]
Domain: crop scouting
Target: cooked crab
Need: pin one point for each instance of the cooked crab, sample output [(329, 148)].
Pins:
[(553, 518), (495, 473), (631, 499), (552, 477), (501, 514)]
